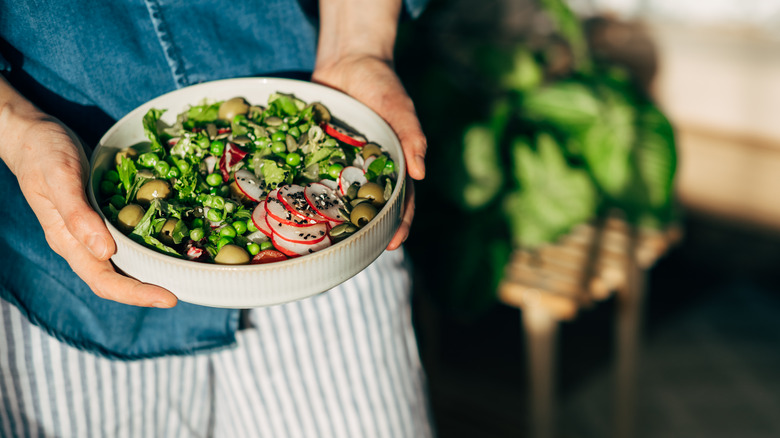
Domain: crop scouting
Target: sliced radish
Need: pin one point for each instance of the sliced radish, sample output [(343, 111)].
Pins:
[(258, 218), (325, 201), (277, 210), (366, 163), (298, 249), (330, 183), (248, 183), (293, 199), (351, 175), (232, 156), (308, 235), (211, 164), (343, 135)]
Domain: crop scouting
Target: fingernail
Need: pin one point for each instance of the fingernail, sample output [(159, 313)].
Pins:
[(161, 305), (420, 163), (97, 246)]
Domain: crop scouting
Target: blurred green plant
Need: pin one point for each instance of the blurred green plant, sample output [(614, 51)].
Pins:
[(519, 153)]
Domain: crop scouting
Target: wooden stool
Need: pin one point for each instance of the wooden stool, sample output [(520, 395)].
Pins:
[(551, 284)]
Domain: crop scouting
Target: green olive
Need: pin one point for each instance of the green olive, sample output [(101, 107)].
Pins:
[(129, 153), (362, 214), (370, 150), (152, 189), (233, 107), (232, 255), (166, 233), (374, 192), (129, 216)]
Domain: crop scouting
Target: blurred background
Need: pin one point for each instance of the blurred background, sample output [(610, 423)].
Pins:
[(546, 115)]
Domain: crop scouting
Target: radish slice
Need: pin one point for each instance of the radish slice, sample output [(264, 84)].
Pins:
[(298, 249), (258, 218), (343, 135), (324, 200), (293, 199), (308, 235), (359, 161), (232, 156), (277, 210), (366, 163), (334, 185), (211, 164), (248, 183), (351, 175)]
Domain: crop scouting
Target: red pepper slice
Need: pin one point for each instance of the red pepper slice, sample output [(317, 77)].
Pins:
[(343, 135)]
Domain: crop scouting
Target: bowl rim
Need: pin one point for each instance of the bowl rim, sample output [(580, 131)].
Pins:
[(398, 190)]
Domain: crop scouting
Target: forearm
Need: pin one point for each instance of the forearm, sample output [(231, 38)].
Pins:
[(357, 28)]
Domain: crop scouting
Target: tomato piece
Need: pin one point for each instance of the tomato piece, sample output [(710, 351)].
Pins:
[(268, 256)]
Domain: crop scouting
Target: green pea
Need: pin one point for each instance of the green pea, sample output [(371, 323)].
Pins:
[(266, 245), (196, 234), (214, 215), (334, 170), (214, 179), (278, 147), (227, 231), (293, 159), (294, 131), (278, 136), (117, 201), (162, 168), (251, 227), (253, 248), (389, 166), (223, 190), (182, 165), (197, 222), (263, 142), (112, 175), (108, 188), (223, 241), (173, 173), (240, 227), (217, 148), (284, 127), (148, 159)]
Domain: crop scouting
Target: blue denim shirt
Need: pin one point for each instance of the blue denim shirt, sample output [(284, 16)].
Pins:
[(89, 63)]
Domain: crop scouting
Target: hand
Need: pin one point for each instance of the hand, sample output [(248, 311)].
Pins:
[(51, 167), (373, 81)]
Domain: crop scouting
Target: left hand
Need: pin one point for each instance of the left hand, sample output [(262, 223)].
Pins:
[(373, 81)]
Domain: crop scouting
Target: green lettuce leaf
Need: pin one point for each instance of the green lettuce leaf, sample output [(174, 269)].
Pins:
[(150, 128)]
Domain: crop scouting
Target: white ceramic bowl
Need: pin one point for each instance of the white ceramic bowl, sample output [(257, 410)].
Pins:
[(253, 285)]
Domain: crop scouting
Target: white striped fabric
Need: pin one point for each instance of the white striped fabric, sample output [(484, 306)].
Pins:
[(341, 364)]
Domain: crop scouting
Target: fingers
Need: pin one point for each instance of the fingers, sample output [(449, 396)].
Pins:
[(402, 233), (106, 283), (403, 119), (66, 192)]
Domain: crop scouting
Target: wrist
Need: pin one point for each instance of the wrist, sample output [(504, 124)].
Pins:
[(356, 29), (17, 115)]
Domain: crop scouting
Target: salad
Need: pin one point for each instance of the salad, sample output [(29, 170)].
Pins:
[(235, 183)]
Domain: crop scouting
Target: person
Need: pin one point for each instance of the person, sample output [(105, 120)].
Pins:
[(87, 351)]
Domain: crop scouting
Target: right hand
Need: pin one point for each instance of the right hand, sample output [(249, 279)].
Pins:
[(51, 168)]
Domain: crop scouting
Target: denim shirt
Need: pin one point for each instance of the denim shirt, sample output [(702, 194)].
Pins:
[(89, 63)]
